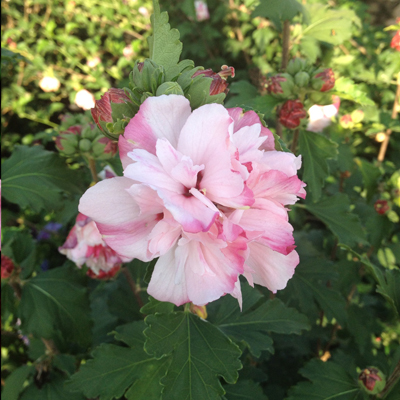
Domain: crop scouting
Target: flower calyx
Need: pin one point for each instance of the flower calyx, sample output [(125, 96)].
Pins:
[(372, 380)]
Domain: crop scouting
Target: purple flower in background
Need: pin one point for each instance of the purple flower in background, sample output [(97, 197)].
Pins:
[(48, 230)]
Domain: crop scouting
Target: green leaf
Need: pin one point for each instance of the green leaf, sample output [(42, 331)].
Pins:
[(131, 334), (53, 390), (315, 150), (245, 389), (335, 212), (8, 301), (113, 370), (252, 324), (14, 383), (156, 306), (56, 301), (389, 288), (308, 287), (371, 174), (200, 353), (347, 89), (328, 381), (36, 177), (327, 25), (165, 46), (279, 10), (244, 94)]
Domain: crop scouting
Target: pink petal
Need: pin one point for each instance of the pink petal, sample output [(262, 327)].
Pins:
[(285, 162), (163, 237), (271, 269), (146, 198), (248, 141), (158, 117)]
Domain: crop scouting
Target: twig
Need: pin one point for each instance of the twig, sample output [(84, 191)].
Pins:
[(285, 44)]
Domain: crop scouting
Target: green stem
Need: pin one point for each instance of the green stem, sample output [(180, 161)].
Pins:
[(92, 167), (36, 119)]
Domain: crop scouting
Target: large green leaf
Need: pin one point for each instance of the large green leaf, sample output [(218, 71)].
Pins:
[(14, 383), (335, 212), (308, 288), (279, 10), (244, 390), (55, 301), (165, 46), (327, 25), (389, 288), (200, 353), (315, 150), (328, 381), (36, 177), (257, 319), (371, 174), (114, 369), (347, 89)]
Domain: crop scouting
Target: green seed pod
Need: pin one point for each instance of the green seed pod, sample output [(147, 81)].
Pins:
[(372, 380)]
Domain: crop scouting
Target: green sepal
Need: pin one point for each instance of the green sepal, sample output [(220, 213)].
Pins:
[(169, 88), (85, 145), (123, 110), (149, 78), (296, 65), (114, 129), (302, 79)]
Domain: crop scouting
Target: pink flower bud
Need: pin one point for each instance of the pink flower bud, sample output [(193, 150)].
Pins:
[(219, 83), (7, 267), (324, 80), (381, 207), (395, 43), (84, 99), (62, 137), (49, 84), (291, 113)]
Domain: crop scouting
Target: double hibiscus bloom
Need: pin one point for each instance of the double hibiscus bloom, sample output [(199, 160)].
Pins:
[(205, 191)]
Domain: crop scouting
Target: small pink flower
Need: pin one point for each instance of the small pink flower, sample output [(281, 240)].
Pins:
[(84, 99), (202, 13), (144, 11), (321, 116), (128, 52), (93, 62), (395, 43), (85, 245), (49, 84), (205, 192)]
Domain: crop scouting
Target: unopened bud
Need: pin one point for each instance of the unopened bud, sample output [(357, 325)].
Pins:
[(85, 145), (147, 76), (280, 86), (296, 65), (7, 267), (357, 116), (381, 207), (219, 82), (200, 311), (323, 79), (372, 380), (291, 113), (67, 141), (346, 121), (302, 79)]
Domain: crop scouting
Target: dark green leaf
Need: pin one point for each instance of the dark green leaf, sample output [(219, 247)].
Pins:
[(200, 353), (55, 301), (328, 381), (156, 306), (244, 94), (243, 390), (131, 334), (335, 212), (371, 175), (65, 363), (165, 46), (315, 150), (8, 301), (14, 383), (279, 10), (389, 288), (112, 371), (36, 177)]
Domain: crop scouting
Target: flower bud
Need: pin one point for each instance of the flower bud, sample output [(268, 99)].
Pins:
[(85, 145), (281, 86), (200, 311), (381, 207), (395, 43), (372, 380), (346, 121), (7, 267), (219, 82), (146, 76), (67, 141), (291, 113), (357, 116), (296, 65), (323, 79), (302, 79), (114, 106), (169, 88)]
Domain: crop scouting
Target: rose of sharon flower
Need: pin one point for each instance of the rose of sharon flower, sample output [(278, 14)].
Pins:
[(84, 99), (321, 116), (205, 191), (201, 8), (49, 84), (84, 245)]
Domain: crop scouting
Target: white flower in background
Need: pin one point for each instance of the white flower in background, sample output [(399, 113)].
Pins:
[(144, 11), (321, 116), (128, 52), (84, 99), (93, 62), (49, 84), (201, 10)]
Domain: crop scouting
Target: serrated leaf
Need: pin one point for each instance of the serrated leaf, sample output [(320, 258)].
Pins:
[(200, 353), (251, 325), (131, 334), (156, 306), (371, 174), (328, 381), (54, 390), (327, 25), (308, 287), (316, 150), (36, 177), (245, 389), (347, 89), (244, 93), (389, 288), (335, 212), (279, 10), (56, 301), (164, 44), (14, 383), (112, 371)]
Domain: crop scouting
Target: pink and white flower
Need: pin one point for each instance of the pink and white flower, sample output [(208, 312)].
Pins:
[(201, 8), (85, 245), (205, 191), (84, 99), (49, 84), (321, 116)]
